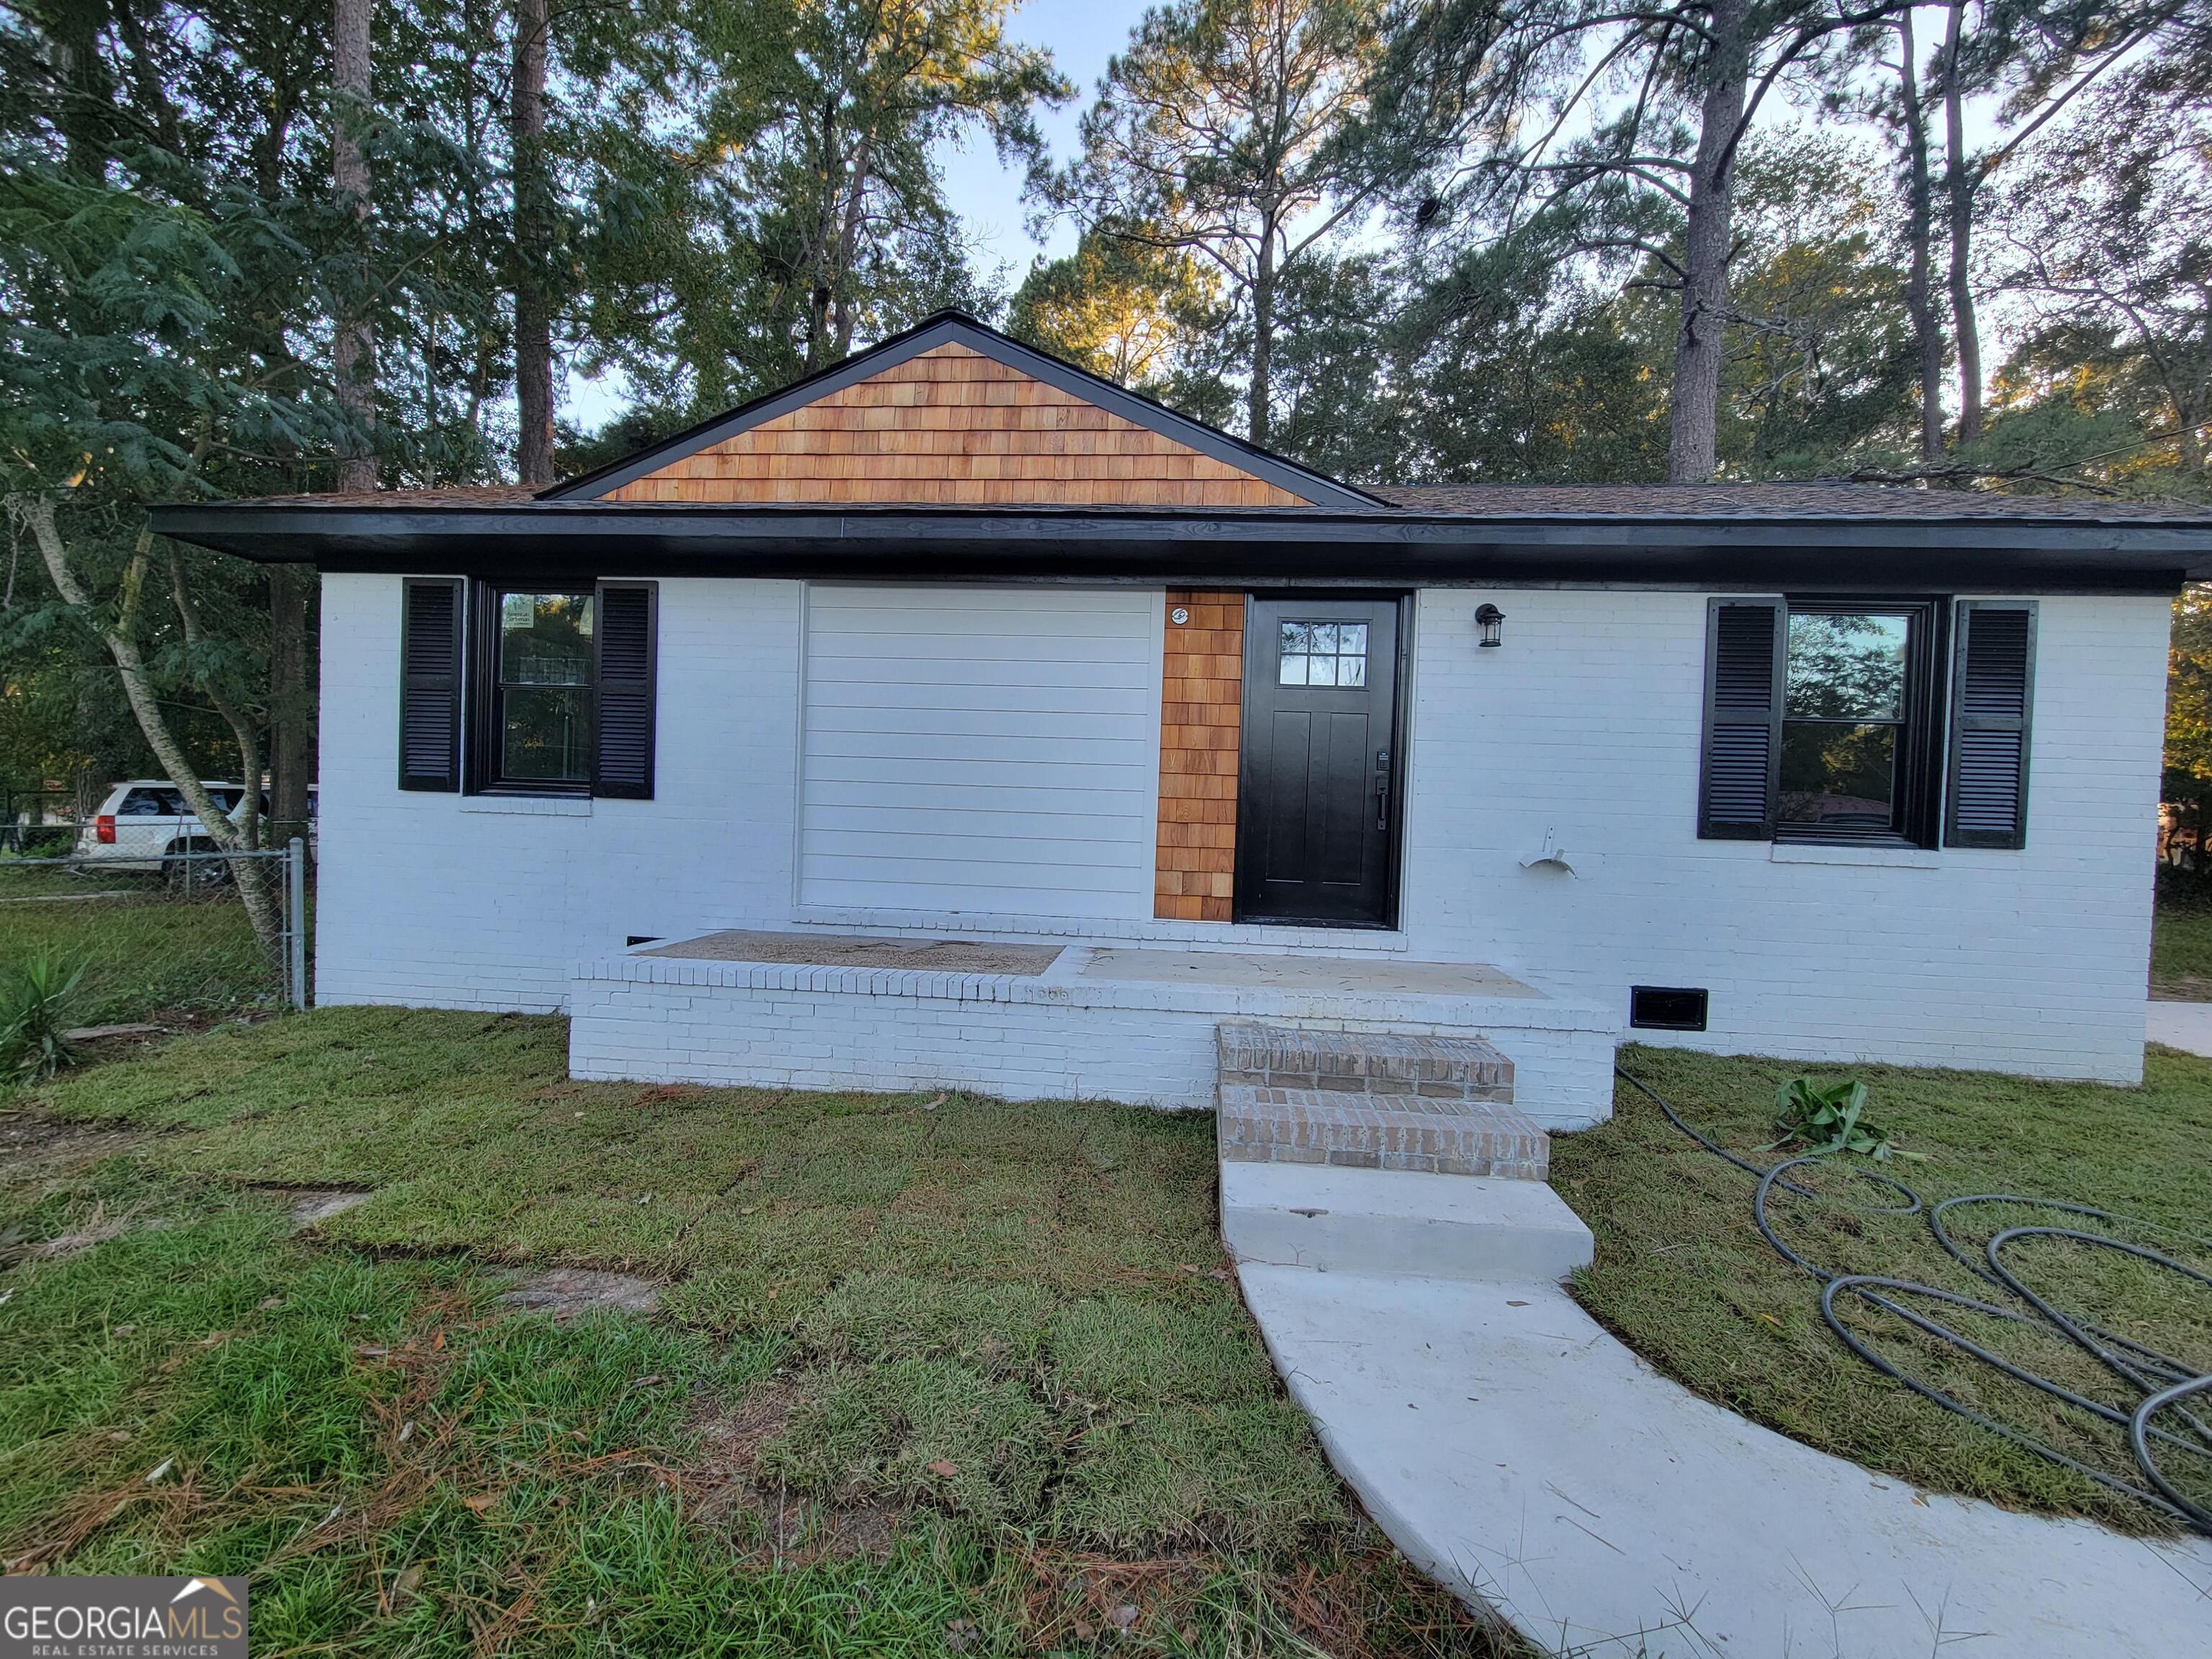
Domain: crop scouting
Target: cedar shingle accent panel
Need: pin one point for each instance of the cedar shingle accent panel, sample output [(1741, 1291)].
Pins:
[(1202, 697), (953, 427)]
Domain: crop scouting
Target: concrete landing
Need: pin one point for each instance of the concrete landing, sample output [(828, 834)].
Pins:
[(1516, 1451), (2184, 1025), (1394, 1221)]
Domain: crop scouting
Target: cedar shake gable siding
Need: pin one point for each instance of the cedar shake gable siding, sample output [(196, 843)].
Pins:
[(1201, 704), (953, 427)]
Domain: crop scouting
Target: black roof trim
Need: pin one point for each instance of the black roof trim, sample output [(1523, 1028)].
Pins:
[(957, 327), (1249, 546)]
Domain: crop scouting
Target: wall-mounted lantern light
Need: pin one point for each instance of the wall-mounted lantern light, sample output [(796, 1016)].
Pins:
[(1492, 621)]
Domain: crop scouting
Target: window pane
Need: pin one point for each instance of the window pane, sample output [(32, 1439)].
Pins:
[(1351, 671), (1293, 671), (1323, 672), (545, 731), (1297, 637), (545, 639), (1847, 666), (1352, 639), (1841, 777), (1324, 639)]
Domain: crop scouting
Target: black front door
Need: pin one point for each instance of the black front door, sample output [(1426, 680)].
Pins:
[(1318, 794)]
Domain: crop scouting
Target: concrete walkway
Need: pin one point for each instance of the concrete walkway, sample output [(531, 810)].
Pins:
[(2181, 1025), (1516, 1450)]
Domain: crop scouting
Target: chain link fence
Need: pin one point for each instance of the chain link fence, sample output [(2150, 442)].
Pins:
[(175, 935)]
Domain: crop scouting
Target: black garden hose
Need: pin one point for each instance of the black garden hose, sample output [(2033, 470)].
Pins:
[(2163, 1385)]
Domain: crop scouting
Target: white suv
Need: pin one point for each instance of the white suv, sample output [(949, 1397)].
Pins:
[(145, 826)]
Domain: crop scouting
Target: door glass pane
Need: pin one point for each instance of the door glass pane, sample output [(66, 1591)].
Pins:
[(1839, 776), (1846, 666), (1323, 653)]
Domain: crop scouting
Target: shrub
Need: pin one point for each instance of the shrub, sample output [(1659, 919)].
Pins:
[(36, 1005), (1830, 1120)]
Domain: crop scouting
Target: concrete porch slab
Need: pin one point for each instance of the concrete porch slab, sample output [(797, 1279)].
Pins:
[(1304, 971), (943, 956)]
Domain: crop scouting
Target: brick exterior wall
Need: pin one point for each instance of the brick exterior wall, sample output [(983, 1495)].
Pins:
[(1586, 723), (1201, 723)]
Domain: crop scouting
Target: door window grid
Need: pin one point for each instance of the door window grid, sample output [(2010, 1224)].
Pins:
[(1322, 654)]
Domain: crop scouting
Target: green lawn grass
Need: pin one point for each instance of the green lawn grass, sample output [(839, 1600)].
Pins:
[(1682, 1276), (2181, 950), (146, 953), (930, 1375)]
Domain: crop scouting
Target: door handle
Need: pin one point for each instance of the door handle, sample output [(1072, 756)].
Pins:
[(1382, 789)]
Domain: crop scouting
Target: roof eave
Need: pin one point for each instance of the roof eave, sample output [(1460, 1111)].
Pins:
[(1252, 544)]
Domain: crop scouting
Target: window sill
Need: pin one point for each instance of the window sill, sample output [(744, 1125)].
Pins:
[(1889, 858), (536, 806)]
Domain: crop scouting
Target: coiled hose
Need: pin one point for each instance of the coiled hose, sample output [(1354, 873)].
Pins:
[(2164, 1387)]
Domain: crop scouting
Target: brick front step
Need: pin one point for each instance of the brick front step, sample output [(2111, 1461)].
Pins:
[(1362, 1063), (1261, 1124)]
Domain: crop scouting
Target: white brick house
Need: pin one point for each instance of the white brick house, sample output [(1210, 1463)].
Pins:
[(956, 641)]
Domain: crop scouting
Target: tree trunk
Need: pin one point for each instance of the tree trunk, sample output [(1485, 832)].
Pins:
[(353, 347), (119, 633), (1693, 443), (1919, 299), (848, 242), (291, 703), (1260, 409), (87, 96), (533, 329), (820, 291), (1959, 183)]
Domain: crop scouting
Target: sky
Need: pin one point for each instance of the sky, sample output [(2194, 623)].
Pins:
[(1081, 35)]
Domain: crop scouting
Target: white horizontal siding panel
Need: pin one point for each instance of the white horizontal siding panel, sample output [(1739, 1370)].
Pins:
[(984, 749), (889, 609), (992, 652), (926, 795), (1001, 772), (1059, 725), (1064, 689), (1050, 829), (1023, 866), (980, 749)]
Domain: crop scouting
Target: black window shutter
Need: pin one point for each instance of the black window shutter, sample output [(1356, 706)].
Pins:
[(625, 627), (1990, 696), (1744, 666), (430, 683)]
